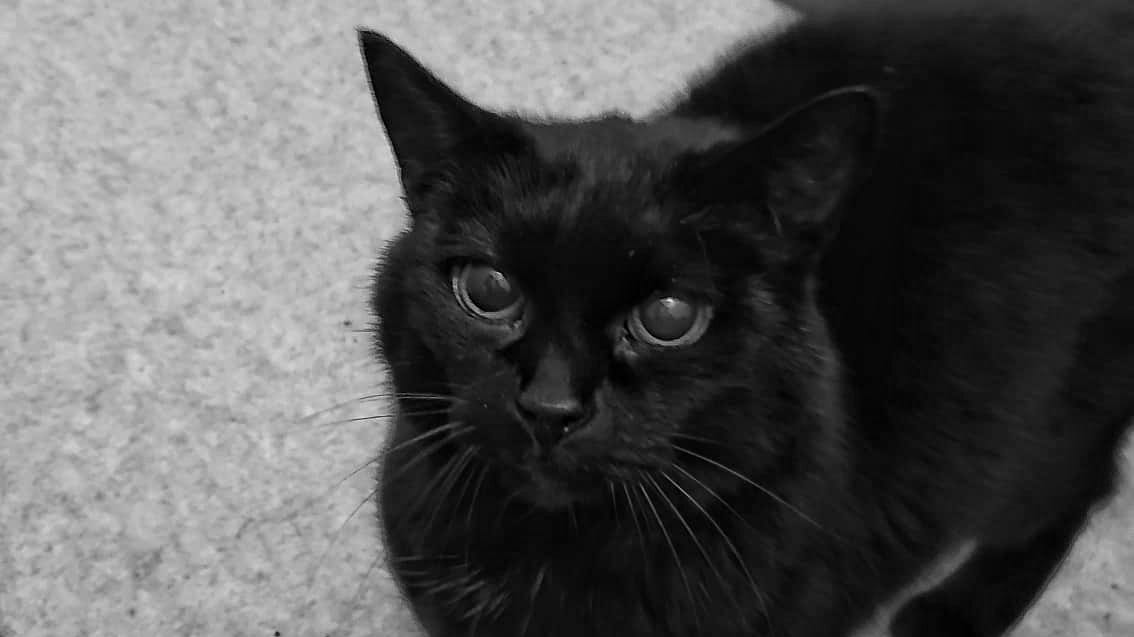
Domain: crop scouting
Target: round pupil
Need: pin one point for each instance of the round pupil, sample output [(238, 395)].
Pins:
[(490, 290), (668, 318)]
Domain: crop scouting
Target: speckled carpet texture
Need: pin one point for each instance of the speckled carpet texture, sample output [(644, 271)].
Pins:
[(192, 195)]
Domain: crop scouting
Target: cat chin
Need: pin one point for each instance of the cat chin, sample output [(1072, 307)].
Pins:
[(547, 495), (539, 487)]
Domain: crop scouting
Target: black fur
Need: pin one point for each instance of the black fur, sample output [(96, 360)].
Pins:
[(914, 222)]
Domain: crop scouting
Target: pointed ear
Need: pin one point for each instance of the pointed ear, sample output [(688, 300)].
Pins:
[(799, 169), (815, 154), (428, 123)]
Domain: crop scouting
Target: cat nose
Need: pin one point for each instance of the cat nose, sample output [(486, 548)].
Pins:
[(548, 401), (559, 410), (549, 419)]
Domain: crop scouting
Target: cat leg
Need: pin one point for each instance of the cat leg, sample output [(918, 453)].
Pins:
[(992, 590)]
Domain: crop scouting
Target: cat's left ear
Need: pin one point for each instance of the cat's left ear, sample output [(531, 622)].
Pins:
[(798, 170), (430, 126)]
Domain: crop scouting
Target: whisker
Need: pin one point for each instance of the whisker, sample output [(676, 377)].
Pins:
[(481, 473), (350, 475), (449, 426), (424, 495), (369, 397), (713, 493), (307, 428), (614, 504), (637, 526), (425, 412), (387, 452), (336, 535), (749, 481), (445, 477), (347, 421), (693, 536), (454, 469), (424, 396), (673, 550), (427, 451), (533, 594), (508, 500), (694, 438), (465, 484), (361, 399), (728, 541), (422, 558), (354, 602)]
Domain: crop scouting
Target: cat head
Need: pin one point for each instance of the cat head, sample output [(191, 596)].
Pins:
[(607, 298)]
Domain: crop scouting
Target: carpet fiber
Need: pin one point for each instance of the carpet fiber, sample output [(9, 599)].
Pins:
[(192, 195)]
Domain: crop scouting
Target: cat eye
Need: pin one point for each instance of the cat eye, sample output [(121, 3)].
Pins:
[(669, 321), (486, 292)]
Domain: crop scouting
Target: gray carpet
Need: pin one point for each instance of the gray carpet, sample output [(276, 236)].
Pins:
[(191, 196)]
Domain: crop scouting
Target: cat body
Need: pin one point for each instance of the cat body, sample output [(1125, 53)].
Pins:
[(900, 243)]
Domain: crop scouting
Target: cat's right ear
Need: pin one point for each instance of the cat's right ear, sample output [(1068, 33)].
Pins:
[(429, 125), (797, 171)]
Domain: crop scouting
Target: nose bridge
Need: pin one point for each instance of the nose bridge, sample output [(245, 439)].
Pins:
[(553, 382), (556, 394), (559, 362)]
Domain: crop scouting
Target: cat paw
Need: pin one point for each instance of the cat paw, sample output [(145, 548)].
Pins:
[(930, 616)]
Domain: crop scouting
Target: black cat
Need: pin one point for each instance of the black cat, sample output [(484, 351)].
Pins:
[(746, 367)]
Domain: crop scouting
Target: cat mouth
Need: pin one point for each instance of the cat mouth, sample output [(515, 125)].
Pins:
[(546, 491), (541, 481)]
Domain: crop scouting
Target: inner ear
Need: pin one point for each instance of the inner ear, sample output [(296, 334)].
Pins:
[(814, 155), (796, 171), (429, 124)]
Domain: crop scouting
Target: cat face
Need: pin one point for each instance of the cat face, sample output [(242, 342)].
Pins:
[(608, 300)]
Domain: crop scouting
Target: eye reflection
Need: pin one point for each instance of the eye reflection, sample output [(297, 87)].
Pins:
[(486, 292), (669, 321)]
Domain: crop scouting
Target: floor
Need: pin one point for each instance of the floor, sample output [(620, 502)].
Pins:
[(191, 197)]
